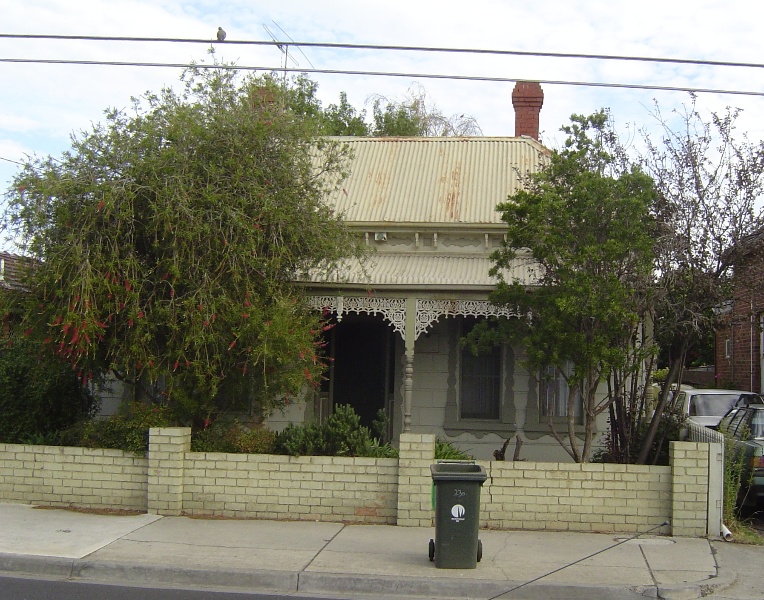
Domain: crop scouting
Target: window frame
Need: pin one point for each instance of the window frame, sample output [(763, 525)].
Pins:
[(498, 357)]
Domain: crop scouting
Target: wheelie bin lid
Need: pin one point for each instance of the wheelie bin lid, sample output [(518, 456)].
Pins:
[(457, 471)]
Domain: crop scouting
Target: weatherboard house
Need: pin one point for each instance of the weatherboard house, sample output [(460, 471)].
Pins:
[(427, 209)]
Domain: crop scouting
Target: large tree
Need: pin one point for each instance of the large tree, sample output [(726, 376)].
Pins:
[(710, 185), (169, 235), (585, 221)]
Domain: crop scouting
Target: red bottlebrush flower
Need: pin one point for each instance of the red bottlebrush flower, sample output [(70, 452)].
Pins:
[(140, 314)]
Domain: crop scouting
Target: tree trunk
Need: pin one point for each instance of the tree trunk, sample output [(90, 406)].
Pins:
[(677, 362)]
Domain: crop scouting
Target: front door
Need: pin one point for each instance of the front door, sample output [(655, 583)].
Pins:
[(360, 373)]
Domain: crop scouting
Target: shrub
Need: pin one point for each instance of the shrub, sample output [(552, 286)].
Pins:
[(445, 450), (127, 430), (233, 437), (39, 394), (341, 435), (668, 430)]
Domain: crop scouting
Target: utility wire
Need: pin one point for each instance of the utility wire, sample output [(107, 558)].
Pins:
[(684, 61), (638, 86)]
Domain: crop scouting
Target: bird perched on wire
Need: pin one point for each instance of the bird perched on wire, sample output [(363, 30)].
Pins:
[(221, 34)]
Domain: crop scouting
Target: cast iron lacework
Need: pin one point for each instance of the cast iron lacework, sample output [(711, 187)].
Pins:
[(429, 311), (392, 309)]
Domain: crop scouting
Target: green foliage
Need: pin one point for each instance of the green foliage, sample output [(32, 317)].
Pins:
[(416, 116), (39, 393), (669, 430), (734, 467), (380, 426), (343, 119), (170, 234), (341, 435), (445, 450), (585, 219), (234, 437), (659, 375), (128, 430), (397, 120)]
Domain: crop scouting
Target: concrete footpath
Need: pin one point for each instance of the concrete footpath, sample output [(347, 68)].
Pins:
[(348, 561)]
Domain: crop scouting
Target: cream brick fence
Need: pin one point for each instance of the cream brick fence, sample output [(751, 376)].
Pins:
[(517, 495)]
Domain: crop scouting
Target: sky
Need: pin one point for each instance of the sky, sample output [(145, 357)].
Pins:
[(42, 105)]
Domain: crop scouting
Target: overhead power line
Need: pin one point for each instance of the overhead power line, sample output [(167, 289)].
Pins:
[(656, 59), (638, 86)]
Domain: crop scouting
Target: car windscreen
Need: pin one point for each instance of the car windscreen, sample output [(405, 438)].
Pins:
[(711, 405), (757, 425)]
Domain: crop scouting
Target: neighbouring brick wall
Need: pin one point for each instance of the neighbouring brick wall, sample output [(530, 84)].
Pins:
[(62, 476), (327, 488), (575, 497)]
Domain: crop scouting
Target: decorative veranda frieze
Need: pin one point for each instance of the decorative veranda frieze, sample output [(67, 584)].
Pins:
[(394, 310), (429, 311)]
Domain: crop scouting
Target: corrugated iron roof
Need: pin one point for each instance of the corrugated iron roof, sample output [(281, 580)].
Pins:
[(13, 269), (419, 270), (433, 180)]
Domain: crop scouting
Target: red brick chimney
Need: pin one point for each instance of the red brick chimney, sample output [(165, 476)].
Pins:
[(527, 98)]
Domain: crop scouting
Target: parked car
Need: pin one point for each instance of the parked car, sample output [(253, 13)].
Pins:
[(706, 406), (745, 425)]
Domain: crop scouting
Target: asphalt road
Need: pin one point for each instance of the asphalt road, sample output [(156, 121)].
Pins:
[(18, 588)]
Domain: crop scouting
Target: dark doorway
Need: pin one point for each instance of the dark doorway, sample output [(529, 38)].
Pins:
[(360, 376)]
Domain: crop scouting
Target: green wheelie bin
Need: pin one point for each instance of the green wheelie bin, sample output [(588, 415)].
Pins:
[(457, 514)]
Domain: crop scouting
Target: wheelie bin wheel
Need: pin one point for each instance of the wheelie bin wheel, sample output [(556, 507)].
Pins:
[(432, 550), (480, 550)]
